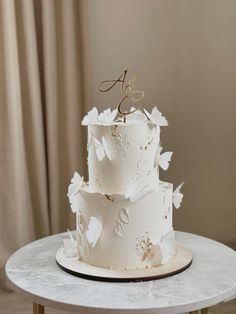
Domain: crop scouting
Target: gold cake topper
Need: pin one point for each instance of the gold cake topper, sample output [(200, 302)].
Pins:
[(126, 89)]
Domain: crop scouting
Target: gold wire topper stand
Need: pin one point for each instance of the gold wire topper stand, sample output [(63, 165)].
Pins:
[(126, 88)]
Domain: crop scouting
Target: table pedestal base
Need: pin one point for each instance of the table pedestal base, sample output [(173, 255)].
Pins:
[(38, 308)]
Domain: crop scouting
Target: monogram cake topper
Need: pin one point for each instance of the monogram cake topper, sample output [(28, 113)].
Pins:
[(126, 88)]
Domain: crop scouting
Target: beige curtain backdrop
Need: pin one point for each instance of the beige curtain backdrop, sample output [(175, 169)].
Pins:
[(183, 55), (42, 102)]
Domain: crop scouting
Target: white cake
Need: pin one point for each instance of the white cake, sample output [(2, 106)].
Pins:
[(124, 212)]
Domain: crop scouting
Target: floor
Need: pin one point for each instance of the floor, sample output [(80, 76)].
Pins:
[(11, 303)]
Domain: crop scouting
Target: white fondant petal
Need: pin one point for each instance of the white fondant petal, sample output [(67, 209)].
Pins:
[(94, 231)]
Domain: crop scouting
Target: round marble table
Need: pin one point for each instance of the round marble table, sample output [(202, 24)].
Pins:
[(32, 272)]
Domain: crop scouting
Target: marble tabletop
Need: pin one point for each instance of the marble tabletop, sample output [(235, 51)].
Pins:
[(32, 271)]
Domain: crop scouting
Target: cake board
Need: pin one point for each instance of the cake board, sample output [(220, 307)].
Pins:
[(178, 263)]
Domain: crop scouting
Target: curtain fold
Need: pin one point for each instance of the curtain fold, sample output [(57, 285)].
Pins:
[(42, 103)]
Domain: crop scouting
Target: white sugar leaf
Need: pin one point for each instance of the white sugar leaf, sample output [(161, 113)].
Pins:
[(94, 231), (124, 216), (106, 148), (91, 117), (168, 244), (119, 229), (99, 149), (164, 160), (177, 196)]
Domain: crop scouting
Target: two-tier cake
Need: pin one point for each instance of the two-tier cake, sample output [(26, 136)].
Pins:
[(124, 212)]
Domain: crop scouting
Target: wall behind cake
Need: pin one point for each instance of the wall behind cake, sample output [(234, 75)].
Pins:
[(183, 55)]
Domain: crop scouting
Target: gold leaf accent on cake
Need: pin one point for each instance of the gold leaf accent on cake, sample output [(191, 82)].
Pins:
[(148, 251), (109, 198), (144, 246), (120, 138)]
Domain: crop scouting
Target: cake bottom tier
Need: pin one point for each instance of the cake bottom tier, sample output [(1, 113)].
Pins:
[(115, 233)]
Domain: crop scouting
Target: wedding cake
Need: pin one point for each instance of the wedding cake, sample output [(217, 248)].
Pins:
[(124, 212)]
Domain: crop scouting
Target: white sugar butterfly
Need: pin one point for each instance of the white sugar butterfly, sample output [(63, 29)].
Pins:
[(107, 116), (178, 196), (156, 117), (73, 191), (94, 231), (163, 160), (91, 117), (102, 149)]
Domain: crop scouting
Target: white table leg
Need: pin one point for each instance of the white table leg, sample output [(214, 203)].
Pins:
[(38, 308)]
